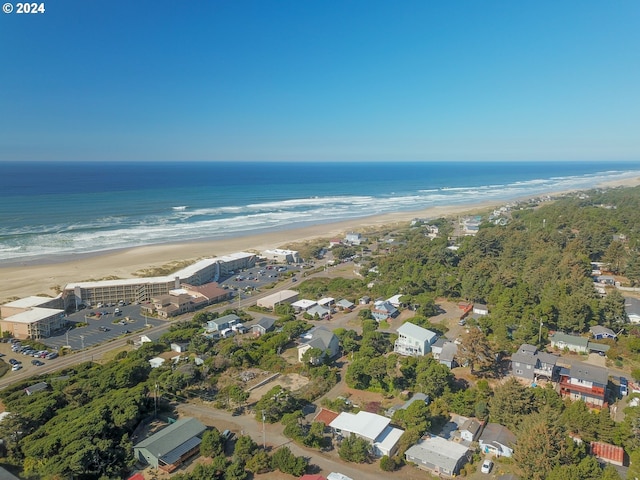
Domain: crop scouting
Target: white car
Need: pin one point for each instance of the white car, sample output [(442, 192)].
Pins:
[(487, 465)]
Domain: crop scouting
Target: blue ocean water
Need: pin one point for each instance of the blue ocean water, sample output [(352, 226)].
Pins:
[(53, 208)]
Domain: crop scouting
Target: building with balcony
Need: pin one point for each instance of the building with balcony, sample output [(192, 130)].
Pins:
[(585, 382), (528, 363), (413, 340)]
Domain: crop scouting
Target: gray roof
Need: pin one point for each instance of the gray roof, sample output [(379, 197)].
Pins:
[(527, 348), (266, 322), (496, 433), (318, 309), (174, 455), (225, 319), (598, 347), (414, 331), (320, 338), (471, 425), (438, 452), (600, 330), (548, 358), (524, 357), (449, 351), (172, 437), (418, 396), (36, 387), (569, 339), (440, 342), (589, 373), (7, 475), (344, 303), (632, 305)]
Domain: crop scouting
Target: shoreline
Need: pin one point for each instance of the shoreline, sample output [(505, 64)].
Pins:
[(40, 276)]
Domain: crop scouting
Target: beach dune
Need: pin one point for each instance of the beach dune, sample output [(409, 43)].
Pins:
[(17, 281)]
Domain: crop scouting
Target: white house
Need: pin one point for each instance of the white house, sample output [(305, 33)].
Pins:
[(395, 300), (383, 310), (480, 309), (439, 456), (278, 298), (319, 310), (573, 343), (414, 340), (353, 238), (303, 305), (497, 440), (371, 427), (326, 302)]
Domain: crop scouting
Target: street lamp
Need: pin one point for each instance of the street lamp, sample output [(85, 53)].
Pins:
[(264, 435)]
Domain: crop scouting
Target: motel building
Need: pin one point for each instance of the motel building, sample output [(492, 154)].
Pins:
[(32, 317)]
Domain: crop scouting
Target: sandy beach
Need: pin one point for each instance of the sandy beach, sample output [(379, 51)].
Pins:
[(41, 279)]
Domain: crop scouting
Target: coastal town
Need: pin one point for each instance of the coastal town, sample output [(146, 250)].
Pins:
[(304, 360)]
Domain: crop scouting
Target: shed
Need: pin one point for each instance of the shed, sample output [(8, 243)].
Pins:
[(608, 453), (37, 387)]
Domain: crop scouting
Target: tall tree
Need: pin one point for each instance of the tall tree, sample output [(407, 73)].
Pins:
[(510, 403), (475, 351), (542, 446)]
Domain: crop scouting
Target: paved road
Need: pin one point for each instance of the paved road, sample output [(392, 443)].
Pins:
[(327, 461)]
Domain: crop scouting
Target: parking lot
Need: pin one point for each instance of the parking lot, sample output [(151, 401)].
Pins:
[(100, 328), (257, 277)]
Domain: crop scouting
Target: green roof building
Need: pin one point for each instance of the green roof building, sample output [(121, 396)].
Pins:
[(172, 445)]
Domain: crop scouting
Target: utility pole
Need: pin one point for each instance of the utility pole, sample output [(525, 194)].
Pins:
[(82, 343), (264, 435), (540, 333)]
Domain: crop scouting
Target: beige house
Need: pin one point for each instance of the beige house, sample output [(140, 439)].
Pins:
[(187, 299), (32, 317), (278, 298)]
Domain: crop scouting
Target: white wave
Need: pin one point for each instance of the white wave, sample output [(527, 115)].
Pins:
[(180, 208)]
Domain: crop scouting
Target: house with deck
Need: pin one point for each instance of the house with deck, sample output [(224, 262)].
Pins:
[(530, 364), (413, 340), (585, 382), (222, 323), (383, 310)]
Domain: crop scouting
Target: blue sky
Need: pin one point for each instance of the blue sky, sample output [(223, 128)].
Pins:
[(321, 80)]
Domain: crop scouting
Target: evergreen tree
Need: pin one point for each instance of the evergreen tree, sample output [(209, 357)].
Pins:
[(510, 403), (542, 446)]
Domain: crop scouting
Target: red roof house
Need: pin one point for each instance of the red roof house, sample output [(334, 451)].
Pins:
[(608, 453), (325, 416)]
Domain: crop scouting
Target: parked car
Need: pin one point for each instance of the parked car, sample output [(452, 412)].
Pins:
[(37, 363), (487, 465), (624, 386), (16, 367), (52, 355), (13, 361), (102, 328)]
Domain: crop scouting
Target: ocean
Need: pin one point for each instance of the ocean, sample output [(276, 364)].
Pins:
[(61, 209)]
